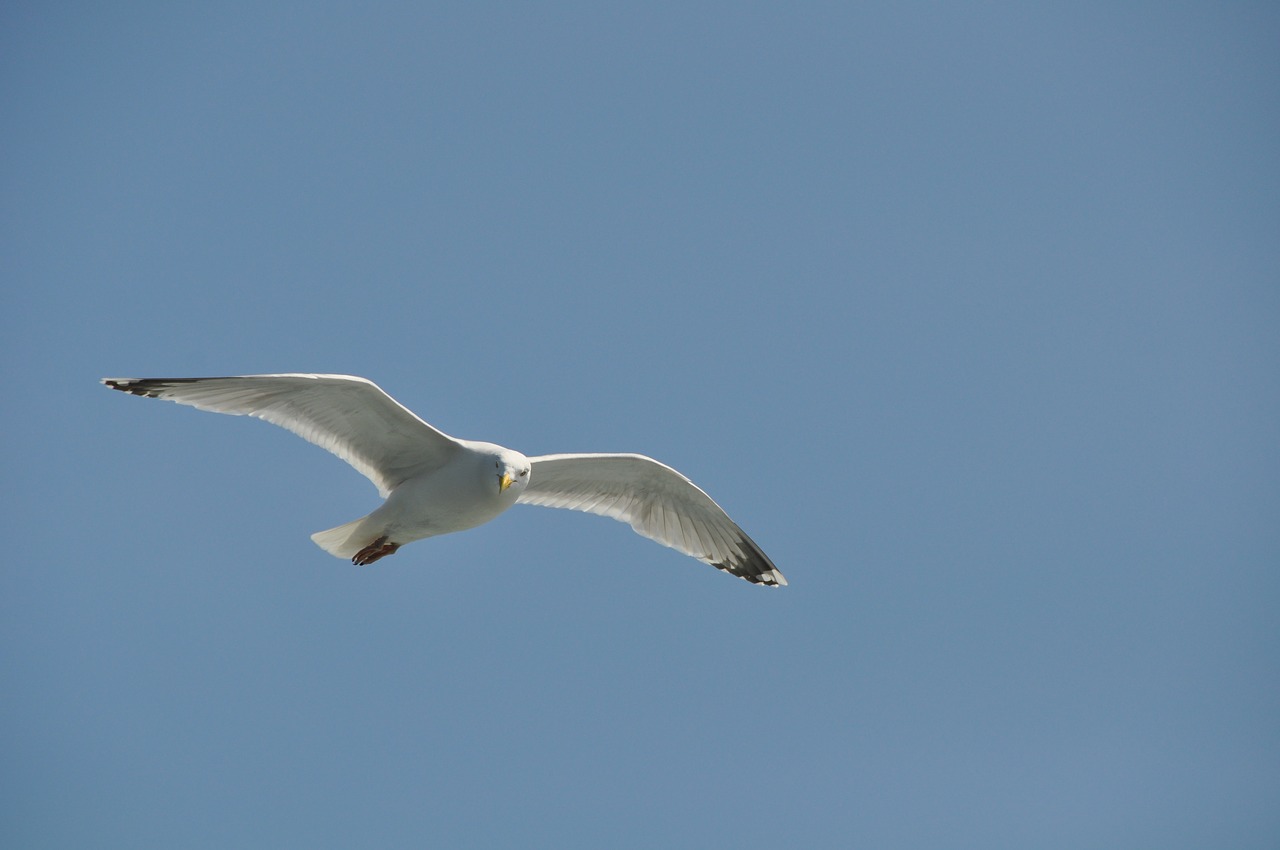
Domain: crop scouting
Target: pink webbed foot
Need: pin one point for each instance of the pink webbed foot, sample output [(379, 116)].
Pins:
[(379, 548)]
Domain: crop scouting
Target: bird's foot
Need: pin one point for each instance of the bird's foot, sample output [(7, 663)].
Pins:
[(379, 548)]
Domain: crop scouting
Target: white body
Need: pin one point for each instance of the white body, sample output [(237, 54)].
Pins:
[(459, 496)]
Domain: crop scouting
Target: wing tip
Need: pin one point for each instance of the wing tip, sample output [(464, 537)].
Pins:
[(764, 574), (773, 578), (750, 563), (148, 387), (133, 386)]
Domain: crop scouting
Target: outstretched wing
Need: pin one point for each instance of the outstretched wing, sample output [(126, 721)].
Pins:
[(351, 417), (657, 501)]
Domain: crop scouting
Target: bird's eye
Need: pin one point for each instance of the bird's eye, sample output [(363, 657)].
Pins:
[(523, 473)]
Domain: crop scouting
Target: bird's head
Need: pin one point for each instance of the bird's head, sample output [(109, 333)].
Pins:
[(512, 470)]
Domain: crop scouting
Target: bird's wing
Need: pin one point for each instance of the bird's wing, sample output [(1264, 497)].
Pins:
[(657, 501), (351, 417)]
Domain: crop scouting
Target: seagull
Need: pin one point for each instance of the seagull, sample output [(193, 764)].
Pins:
[(435, 484)]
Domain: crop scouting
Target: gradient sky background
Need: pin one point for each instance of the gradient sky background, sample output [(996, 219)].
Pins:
[(968, 313)]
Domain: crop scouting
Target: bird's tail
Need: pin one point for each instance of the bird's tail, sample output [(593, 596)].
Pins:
[(344, 541)]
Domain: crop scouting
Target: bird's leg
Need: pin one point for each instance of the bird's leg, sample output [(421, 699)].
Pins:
[(379, 548)]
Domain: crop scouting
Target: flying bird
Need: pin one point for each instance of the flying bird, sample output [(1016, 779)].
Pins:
[(434, 484)]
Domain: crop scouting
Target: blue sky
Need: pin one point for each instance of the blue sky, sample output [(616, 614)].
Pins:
[(966, 312)]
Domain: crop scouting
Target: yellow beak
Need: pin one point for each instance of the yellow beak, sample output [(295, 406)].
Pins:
[(504, 482)]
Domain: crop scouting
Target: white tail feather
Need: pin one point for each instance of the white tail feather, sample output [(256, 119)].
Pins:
[(343, 541)]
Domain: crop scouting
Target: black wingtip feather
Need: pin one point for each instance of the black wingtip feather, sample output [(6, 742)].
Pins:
[(145, 387), (752, 565)]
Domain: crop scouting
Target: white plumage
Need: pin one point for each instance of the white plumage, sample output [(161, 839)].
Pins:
[(434, 484)]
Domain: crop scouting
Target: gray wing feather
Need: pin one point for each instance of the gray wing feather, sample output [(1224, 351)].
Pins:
[(658, 502), (349, 416)]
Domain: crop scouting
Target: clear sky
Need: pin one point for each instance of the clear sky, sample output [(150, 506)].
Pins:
[(968, 313)]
